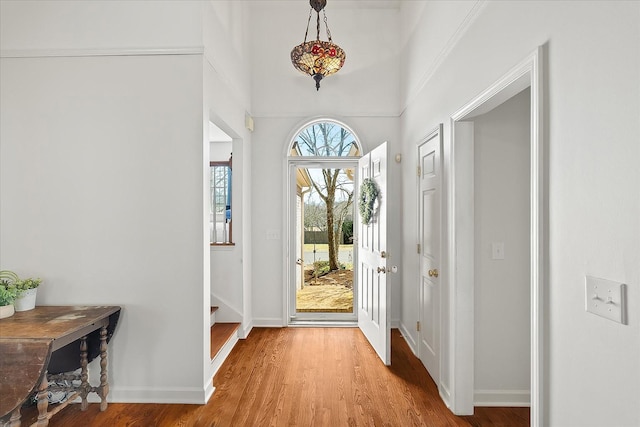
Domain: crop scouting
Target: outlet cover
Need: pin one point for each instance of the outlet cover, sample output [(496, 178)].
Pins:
[(497, 250), (273, 234), (606, 298)]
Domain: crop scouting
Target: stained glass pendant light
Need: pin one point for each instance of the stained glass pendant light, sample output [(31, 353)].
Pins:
[(318, 58)]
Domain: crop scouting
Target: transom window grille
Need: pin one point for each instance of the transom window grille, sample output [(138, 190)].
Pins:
[(325, 139)]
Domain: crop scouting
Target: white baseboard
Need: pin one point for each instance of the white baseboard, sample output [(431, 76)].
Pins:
[(274, 322), (445, 395), (222, 355), (208, 392), (409, 339), (395, 323), (502, 398), (185, 395), (244, 331), (322, 324)]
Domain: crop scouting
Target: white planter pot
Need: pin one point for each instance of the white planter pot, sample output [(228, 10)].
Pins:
[(27, 301), (6, 311)]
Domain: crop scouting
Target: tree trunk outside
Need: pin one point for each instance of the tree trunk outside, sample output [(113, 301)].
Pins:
[(333, 253)]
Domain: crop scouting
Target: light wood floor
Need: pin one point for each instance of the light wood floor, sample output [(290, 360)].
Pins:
[(306, 377)]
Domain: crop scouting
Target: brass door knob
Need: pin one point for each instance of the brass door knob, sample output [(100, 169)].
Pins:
[(433, 273)]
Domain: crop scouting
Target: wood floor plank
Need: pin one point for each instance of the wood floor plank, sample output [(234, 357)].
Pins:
[(306, 377)]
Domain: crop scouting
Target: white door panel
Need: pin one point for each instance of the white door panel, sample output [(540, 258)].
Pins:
[(373, 297), (429, 203)]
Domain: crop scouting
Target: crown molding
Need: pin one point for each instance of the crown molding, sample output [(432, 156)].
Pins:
[(77, 53), (444, 53), (299, 115)]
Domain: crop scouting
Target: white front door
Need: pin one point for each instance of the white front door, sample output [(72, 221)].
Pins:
[(373, 299), (429, 198)]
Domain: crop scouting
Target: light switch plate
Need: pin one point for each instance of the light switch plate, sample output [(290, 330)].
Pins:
[(606, 298)]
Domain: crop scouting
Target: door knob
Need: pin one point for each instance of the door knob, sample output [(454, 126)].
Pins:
[(382, 269), (433, 273)]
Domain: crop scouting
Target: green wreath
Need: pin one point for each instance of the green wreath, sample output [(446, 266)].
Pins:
[(368, 195)]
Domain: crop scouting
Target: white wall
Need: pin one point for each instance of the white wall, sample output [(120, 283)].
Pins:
[(367, 84), (220, 151), (226, 94), (64, 26), (502, 286), (225, 25), (429, 32), (592, 131), (363, 95), (103, 102), (110, 210)]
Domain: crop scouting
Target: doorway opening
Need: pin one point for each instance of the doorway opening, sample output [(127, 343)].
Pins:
[(502, 245), (322, 166), (326, 236), (464, 264), (221, 166)]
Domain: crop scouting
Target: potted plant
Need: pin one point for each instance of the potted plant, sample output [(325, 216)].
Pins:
[(27, 289), (8, 293)]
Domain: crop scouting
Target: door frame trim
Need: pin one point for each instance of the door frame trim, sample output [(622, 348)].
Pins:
[(287, 199), (290, 224), (529, 73)]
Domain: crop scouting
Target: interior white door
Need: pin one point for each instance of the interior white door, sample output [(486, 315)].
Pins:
[(373, 298), (429, 202)]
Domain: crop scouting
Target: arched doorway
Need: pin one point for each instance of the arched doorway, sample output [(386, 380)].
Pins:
[(322, 160)]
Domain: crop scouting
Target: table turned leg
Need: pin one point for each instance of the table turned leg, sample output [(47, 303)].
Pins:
[(16, 416), (84, 375), (104, 385), (43, 403)]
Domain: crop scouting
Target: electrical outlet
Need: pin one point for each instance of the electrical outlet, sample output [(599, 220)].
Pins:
[(606, 298), (497, 250), (273, 234)]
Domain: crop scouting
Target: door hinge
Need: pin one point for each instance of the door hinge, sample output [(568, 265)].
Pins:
[(418, 326), (418, 247), (419, 171)]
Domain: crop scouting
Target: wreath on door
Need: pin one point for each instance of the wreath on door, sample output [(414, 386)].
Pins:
[(368, 194)]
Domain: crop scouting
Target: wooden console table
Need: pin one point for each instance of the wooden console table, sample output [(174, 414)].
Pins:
[(54, 340)]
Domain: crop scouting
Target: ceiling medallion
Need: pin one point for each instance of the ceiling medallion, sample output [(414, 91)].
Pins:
[(318, 58)]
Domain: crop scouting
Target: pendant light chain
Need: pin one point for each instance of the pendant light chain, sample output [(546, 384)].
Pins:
[(318, 26), (308, 22), (326, 25)]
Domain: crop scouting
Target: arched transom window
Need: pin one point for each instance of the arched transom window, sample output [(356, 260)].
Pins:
[(325, 139)]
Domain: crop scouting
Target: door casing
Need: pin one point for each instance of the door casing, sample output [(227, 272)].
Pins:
[(290, 315)]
